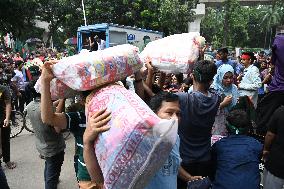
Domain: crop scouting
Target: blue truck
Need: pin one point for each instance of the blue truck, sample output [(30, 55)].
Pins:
[(114, 34)]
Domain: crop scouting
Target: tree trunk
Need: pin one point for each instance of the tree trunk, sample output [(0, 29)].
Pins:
[(226, 25), (265, 39)]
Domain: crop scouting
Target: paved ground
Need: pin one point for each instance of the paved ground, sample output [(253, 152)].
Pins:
[(29, 171)]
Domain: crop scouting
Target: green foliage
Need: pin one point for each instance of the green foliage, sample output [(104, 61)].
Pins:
[(174, 16), (16, 16), (65, 16), (242, 26)]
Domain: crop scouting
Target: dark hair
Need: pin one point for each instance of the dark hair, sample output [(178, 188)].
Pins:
[(179, 78), (223, 50), (238, 120), (251, 55), (188, 81), (32, 90), (18, 63), (157, 100), (204, 72), (146, 37), (86, 93)]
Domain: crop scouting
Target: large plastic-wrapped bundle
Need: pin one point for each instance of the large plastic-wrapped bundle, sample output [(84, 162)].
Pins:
[(175, 53), (58, 89), (89, 70), (138, 142)]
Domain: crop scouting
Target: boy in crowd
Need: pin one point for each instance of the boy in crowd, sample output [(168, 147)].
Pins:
[(198, 111), (223, 59), (76, 123), (5, 113), (49, 143), (19, 86), (275, 97), (237, 156), (273, 151), (250, 80), (166, 106)]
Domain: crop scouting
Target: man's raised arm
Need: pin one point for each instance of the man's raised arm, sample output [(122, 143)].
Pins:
[(48, 116)]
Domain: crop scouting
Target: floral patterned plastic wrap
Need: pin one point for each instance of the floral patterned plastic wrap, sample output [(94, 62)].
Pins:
[(138, 142), (58, 89), (175, 53), (89, 70)]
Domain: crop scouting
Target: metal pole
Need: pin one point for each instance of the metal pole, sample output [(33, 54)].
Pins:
[(84, 13)]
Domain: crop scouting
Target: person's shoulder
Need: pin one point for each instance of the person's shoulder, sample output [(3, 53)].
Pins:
[(253, 68), (279, 111), (33, 105), (235, 88), (182, 95), (218, 62)]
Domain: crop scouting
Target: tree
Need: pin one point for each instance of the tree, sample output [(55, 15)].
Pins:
[(65, 16), (244, 28), (271, 19), (17, 16)]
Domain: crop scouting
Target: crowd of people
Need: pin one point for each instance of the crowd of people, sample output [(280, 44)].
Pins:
[(229, 115)]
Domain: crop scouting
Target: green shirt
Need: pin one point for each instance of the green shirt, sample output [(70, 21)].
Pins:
[(76, 123)]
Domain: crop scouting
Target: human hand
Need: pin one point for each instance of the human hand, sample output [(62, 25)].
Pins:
[(202, 52), (149, 65), (6, 123), (46, 73), (194, 178), (264, 155), (240, 77), (19, 94), (227, 100), (96, 124)]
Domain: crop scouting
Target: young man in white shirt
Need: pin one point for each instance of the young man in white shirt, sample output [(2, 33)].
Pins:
[(250, 80)]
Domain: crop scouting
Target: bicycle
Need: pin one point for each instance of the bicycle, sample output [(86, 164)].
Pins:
[(19, 122), (16, 122)]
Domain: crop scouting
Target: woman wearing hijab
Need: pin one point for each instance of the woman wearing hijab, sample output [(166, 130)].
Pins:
[(224, 86)]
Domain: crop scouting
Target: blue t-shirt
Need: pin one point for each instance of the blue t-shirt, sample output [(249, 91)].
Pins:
[(198, 113), (237, 67), (237, 159), (166, 177)]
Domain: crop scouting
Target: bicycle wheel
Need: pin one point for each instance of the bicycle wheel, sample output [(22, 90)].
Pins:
[(27, 123), (16, 123)]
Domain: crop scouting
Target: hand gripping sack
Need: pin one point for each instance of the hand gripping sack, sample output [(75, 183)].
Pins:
[(89, 70), (175, 53), (138, 142)]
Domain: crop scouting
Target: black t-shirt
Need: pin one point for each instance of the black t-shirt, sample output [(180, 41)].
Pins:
[(5, 97), (275, 160)]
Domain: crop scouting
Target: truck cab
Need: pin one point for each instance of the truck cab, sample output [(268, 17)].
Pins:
[(99, 36)]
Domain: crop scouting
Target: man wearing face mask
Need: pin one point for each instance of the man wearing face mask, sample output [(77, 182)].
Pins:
[(166, 106)]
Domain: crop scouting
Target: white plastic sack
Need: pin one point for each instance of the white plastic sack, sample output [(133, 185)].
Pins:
[(175, 53), (58, 89), (89, 70), (138, 142)]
